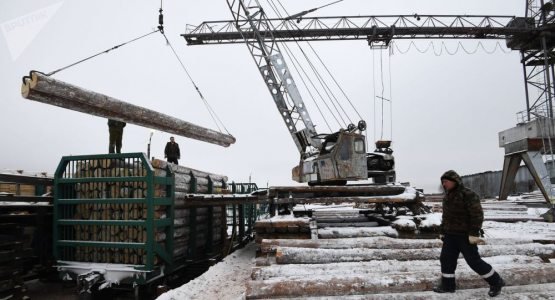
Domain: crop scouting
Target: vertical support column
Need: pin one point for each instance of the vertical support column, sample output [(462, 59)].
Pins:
[(192, 183), (192, 249), (241, 221), (209, 234), (510, 168), (536, 166)]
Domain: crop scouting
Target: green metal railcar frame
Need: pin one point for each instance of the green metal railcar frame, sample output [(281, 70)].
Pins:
[(65, 202)]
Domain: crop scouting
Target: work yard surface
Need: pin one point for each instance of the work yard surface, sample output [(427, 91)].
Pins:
[(380, 262)]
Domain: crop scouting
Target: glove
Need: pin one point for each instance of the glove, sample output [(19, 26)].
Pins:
[(441, 236), (474, 240)]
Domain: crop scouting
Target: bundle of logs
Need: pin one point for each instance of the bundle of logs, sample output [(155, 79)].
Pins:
[(199, 230), (382, 265), (282, 227), (189, 180)]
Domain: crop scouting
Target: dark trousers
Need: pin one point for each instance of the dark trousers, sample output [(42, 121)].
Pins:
[(115, 140), (455, 244), (173, 160)]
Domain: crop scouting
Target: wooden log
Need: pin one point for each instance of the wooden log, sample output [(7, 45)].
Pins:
[(360, 219), (48, 90), (393, 283), (270, 245), (353, 232), (347, 199), (359, 224), (291, 271), (162, 164), (287, 255), (351, 189)]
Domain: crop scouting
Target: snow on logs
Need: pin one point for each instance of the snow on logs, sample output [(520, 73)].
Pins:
[(270, 245), (41, 88), (381, 265), (331, 285), (290, 255), (364, 268)]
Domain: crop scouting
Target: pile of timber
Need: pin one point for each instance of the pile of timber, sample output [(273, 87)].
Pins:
[(44, 89), (503, 211), (381, 266), (341, 218), (198, 230), (189, 180), (282, 227), (15, 259)]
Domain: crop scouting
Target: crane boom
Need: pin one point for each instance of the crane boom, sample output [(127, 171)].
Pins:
[(533, 35), (252, 25), (366, 28)]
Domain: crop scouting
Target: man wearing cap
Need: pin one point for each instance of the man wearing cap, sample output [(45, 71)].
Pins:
[(461, 226)]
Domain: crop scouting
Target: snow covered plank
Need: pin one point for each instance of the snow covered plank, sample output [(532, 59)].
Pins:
[(41, 88), (385, 283), (288, 255), (354, 232), (365, 268)]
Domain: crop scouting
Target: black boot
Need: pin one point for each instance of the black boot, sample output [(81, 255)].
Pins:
[(447, 285), (495, 284)]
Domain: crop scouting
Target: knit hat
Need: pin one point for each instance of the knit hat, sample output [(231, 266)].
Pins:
[(452, 176)]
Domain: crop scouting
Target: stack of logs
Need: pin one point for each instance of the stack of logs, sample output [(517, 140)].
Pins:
[(189, 180), (193, 226), (400, 268), (14, 255), (282, 227)]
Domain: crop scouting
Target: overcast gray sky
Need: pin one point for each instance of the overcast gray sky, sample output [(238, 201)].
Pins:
[(447, 110)]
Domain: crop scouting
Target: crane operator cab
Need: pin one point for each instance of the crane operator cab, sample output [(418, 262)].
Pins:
[(342, 157)]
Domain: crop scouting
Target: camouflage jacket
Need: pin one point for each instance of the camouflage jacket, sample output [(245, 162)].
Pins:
[(462, 211)]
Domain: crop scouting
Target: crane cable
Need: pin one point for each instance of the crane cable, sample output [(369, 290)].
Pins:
[(320, 59), (322, 82), (161, 30), (99, 53), (211, 111), (327, 90), (297, 65)]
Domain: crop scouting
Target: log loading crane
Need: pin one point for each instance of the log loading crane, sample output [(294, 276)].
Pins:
[(533, 35), (325, 159)]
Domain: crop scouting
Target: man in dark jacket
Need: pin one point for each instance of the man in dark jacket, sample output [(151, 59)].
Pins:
[(460, 232), (171, 152), (116, 134)]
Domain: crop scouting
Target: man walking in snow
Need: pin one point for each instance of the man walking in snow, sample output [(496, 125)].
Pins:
[(461, 225)]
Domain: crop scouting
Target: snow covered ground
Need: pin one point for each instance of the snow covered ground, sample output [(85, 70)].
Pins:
[(227, 279)]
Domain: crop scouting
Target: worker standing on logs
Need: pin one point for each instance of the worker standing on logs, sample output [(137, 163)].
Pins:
[(171, 152), (461, 226), (116, 134)]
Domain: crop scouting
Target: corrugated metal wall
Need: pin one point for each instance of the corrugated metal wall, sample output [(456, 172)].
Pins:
[(487, 184)]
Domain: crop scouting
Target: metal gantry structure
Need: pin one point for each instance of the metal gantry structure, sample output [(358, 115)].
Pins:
[(533, 35)]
